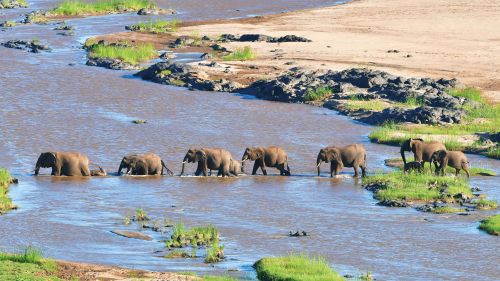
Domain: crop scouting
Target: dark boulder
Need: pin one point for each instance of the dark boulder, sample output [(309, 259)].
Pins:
[(110, 63), (33, 46)]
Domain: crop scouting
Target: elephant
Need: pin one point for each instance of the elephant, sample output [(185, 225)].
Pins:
[(234, 167), (454, 159), (143, 164), (353, 155), (422, 151), (98, 173), (413, 166), (271, 156), (210, 158), (64, 163)]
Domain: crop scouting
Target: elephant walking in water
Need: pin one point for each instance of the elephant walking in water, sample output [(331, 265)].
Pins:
[(64, 163), (272, 156), (143, 164), (353, 155), (211, 158), (422, 151)]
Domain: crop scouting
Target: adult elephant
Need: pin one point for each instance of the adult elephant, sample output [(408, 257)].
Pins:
[(422, 151), (64, 163), (454, 159), (353, 155), (143, 164), (271, 156), (209, 159)]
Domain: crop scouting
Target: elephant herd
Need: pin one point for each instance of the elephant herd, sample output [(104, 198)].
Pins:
[(221, 160)]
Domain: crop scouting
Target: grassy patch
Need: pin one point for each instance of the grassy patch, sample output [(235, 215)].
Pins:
[(177, 254), (215, 253), (414, 101), (5, 201), (219, 278), (157, 26), (447, 209), (317, 94), (373, 105), (468, 93), (79, 8), (241, 54), (485, 204), (27, 266), (419, 187), (124, 52), (491, 225), (199, 236), (295, 268), (494, 152)]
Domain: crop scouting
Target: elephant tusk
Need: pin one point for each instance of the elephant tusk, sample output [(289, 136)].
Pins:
[(319, 164), (184, 162)]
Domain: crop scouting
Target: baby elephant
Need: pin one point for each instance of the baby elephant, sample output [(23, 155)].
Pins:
[(98, 173), (414, 166), (454, 159)]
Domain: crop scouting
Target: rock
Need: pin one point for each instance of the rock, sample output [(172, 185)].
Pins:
[(33, 46), (167, 56), (228, 38), (12, 4), (110, 64), (132, 234), (13, 181), (139, 121), (8, 24), (419, 115), (289, 38), (297, 234), (205, 38), (393, 203), (155, 11), (64, 26), (219, 48), (207, 56), (254, 38)]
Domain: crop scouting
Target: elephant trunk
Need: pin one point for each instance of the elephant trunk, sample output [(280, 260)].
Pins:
[(245, 158), (37, 169), (122, 165), (183, 166)]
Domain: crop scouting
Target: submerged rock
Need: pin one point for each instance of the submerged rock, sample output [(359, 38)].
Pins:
[(111, 64), (33, 46), (132, 234), (155, 11), (12, 4)]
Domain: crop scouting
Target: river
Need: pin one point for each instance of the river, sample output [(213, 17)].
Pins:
[(52, 101)]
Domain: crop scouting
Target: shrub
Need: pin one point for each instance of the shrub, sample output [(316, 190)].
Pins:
[(317, 94), (5, 201), (215, 253), (295, 268), (241, 54), (129, 54), (158, 26)]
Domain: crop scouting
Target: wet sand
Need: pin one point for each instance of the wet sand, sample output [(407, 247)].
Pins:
[(434, 38)]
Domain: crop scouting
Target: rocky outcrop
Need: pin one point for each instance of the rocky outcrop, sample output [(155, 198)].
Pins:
[(111, 64), (419, 115), (31, 46), (12, 4), (155, 11), (183, 75), (261, 38)]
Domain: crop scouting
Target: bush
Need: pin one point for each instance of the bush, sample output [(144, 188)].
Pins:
[(491, 225), (241, 54), (317, 94), (295, 268), (129, 54)]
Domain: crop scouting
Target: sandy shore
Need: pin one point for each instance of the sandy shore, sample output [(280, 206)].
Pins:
[(434, 38)]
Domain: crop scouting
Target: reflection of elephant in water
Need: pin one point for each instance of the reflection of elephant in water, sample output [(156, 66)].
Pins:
[(422, 151), (64, 163), (143, 164), (353, 155), (209, 158), (272, 156), (454, 159)]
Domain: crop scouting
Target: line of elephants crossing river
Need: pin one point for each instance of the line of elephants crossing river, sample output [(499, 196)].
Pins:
[(221, 160)]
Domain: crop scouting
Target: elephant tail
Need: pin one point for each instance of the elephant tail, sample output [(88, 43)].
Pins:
[(165, 166)]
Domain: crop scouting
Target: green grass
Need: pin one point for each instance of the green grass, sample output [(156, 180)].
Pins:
[(295, 268), (214, 253), (317, 94), (177, 254), (419, 187), (157, 26), (5, 201), (182, 237), (241, 54), (494, 152), (485, 204), (129, 54), (141, 215), (373, 105), (78, 7), (469, 93), (414, 101), (27, 266), (447, 209), (219, 278), (491, 225)]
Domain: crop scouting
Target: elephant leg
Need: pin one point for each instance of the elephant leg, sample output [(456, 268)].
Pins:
[(210, 173), (263, 167), (255, 167), (363, 171), (332, 170), (467, 172), (56, 171), (457, 171), (356, 174), (85, 172), (198, 169)]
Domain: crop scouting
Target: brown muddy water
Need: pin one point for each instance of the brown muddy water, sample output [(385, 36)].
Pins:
[(47, 104)]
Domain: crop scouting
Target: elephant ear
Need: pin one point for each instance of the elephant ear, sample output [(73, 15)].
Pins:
[(200, 154), (48, 159), (338, 159)]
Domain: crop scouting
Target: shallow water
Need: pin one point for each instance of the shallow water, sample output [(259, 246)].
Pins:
[(50, 105)]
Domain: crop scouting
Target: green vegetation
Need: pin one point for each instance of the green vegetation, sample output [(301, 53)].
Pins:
[(27, 266), (8, 23), (124, 52), (491, 225), (182, 237), (468, 93), (447, 209), (5, 201), (484, 204), (493, 152), (219, 278), (241, 54), (317, 94), (141, 215), (373, 105), (474, 171), (420, 187), (81, 8), (215, 253), (414, 101), (295, 268), (176, 254), (157, 26)]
